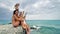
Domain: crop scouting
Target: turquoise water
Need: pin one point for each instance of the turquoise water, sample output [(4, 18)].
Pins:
[(46, 26), (44, 22), (5, 21), (31, 22), (46, 30)]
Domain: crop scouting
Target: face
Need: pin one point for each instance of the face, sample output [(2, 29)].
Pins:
[(21, 14), (17, 7), (16, 12)]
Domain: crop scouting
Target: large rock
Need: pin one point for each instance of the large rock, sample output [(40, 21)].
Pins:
[(9, 29)]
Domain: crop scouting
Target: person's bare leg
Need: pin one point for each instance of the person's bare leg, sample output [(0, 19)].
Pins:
[(28, 29), (24, 27)]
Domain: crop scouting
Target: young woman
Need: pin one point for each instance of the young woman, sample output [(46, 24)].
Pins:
[(23, 23), (19, 19), (16, 19)]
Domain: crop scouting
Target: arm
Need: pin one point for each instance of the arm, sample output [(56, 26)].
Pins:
[(13, 21), (17, 17), (24, 16)]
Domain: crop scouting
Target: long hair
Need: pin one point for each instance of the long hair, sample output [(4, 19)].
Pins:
[(15, 11)]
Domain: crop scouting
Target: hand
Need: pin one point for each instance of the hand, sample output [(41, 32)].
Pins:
[(21, 18), (23, 12)]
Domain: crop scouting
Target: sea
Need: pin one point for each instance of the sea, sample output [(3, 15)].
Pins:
[(41, 26)]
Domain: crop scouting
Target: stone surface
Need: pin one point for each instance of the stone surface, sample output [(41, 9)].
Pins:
[(9, 29)]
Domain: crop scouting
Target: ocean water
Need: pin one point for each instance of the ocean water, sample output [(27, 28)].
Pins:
[(45, 26)]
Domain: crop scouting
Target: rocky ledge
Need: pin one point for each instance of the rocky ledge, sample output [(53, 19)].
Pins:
[(9, 29)]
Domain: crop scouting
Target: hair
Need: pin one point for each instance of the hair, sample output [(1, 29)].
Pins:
[(15, 11), (17, 4)]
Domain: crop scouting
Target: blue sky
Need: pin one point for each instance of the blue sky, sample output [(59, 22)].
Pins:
[(35, 9)]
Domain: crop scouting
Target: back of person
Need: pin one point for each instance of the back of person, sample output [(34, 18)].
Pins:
[(15, 22)]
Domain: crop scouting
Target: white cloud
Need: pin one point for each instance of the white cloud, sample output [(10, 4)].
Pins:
[(9, 4), (41, 3), (42, 17), (4, 5), (41, 9)]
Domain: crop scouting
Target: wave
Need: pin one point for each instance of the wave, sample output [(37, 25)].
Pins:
[(47, 30)]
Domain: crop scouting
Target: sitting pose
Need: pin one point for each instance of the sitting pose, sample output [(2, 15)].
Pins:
[(19, 19), (23, 23), (16, 19)]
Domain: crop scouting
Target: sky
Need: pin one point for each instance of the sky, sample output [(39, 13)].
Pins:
[(35, 9)]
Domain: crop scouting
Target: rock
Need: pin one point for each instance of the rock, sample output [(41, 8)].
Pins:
[(9, 29)]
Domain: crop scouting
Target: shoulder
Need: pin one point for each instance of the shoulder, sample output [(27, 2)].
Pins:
[(13, 16)]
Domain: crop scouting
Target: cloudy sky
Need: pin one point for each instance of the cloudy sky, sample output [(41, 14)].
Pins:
[(35, 9)]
